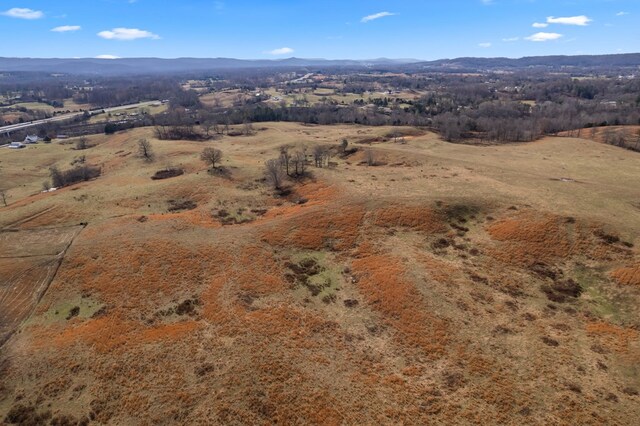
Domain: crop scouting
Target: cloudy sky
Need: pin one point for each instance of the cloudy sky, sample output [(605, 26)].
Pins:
[(356, 29)]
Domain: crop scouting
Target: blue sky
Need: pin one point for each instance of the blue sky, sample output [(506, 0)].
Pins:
[(355, 29)]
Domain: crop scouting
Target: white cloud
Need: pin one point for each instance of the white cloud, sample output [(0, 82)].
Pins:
[(127, 34), (622, 13), (376, 16), (484, 45), (280, 51), (510, 39), (107, 57), (539, 25), (23, 13), (581, 20), (543, 37), (66, 28), (487, 2)]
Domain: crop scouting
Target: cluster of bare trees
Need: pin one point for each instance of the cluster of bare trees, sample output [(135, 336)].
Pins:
[(82, 144), (290, 163), (79, 173), (293, 162), (183, 131), (321, 155), (621, 138), (113, 91), (274, 173), (456, 127), (179, 124)]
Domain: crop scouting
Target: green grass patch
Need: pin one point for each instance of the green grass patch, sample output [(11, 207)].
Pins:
[(602, 297), (34, 106), (234, 216), (314, 276), (80, 307)]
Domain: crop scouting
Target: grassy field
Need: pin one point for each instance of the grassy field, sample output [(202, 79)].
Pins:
[(445, 284), (28, 261), (228, 97), (69, 104), (152, 110), (35, 106)]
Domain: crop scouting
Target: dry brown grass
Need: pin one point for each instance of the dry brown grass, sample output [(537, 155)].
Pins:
[(439, 313)]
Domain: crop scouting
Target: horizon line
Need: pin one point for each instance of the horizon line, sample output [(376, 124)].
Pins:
[(318, 59)]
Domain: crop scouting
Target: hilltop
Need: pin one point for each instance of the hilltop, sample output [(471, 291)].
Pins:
[(409, 281)]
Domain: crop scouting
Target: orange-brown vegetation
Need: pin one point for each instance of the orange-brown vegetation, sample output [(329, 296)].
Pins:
[(382, 281), (529, 237), (333, 228), (616, 338), (420, 218), (437, 312), (628, 275)]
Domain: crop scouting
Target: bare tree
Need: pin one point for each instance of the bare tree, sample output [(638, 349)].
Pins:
[(450, 131), (211, 156), (145, 150), (609, 136), (247, 128), (207, 125), (285, 158), (621, 139), (274, 173), (57, 177), (320, 154), (370, 157), (82, 143), (3, 197), (300, 162), (343, 146)]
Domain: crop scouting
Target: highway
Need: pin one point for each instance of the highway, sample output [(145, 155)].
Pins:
[(20, 126)]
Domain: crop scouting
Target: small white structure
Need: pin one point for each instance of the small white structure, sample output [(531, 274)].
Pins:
[(16, 145), (31, 139)]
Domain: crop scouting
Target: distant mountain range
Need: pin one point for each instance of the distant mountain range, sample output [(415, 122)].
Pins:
[(623, 60), (158, 65), (125, 66)]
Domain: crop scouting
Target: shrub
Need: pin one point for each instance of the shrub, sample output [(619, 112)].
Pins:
[(77, 174), (110, 129), (167, 173)]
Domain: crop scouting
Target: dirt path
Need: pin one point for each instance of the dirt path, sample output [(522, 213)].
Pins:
[(26, 279)]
